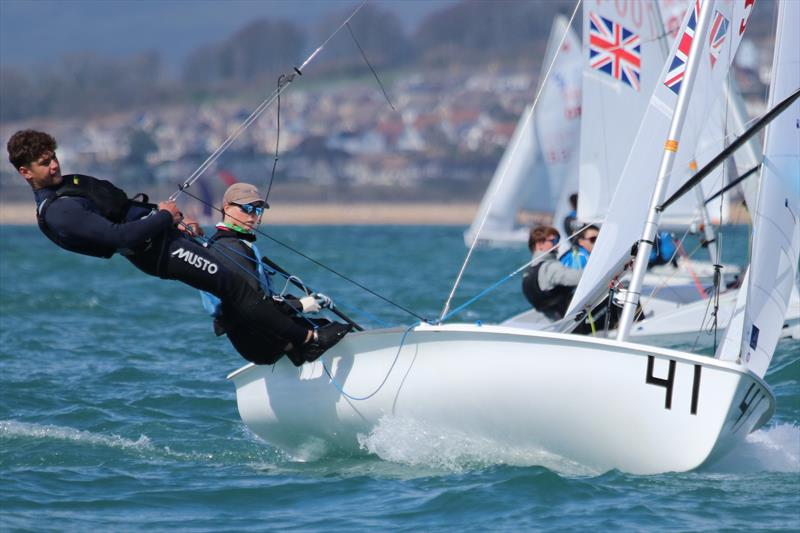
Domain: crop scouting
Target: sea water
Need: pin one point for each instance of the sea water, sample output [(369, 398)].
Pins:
[(115, 414)]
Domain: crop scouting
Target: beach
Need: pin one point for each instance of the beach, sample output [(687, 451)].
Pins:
[(311, 214), (456, 214)]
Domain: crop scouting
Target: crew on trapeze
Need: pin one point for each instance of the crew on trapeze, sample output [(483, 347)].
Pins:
[(92, 217), (578, 254), (547, 284), (233, 243)]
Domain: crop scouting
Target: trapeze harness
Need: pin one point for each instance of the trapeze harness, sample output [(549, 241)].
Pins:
[(111, 202)]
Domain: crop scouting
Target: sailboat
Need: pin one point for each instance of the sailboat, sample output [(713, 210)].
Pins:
[(538, 170), (601, 403)]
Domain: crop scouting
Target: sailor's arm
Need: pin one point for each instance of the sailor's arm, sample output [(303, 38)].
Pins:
[(71, 219), (553, 274)]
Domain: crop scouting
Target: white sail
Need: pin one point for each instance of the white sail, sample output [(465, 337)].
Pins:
[(558, 120), (628, 210), (623, 57), (535, 172), (518, 174), (776, 241)]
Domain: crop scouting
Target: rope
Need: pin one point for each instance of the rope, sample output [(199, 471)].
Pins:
[(375, 74), (385, 378), (257, 112), (514, 149)]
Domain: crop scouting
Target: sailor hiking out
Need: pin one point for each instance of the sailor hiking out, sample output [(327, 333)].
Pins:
[(92, 217)]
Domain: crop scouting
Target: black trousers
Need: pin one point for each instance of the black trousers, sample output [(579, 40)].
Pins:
[(178, 257)]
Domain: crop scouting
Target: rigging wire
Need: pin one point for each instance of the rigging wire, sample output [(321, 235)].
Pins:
[(518, 142), (375, 74), (277, 144), (258, 111)]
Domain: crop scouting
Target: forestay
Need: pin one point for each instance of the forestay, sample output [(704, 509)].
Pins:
[(629, 207), (776, 241)]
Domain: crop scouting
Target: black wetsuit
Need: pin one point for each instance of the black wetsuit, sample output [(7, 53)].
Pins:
[(151, 242), (254, 342)]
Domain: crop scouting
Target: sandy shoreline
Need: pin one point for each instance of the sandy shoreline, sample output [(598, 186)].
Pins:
[(404, 214), (460, 214)]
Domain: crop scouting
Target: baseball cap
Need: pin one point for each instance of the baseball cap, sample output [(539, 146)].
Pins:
[(243, 193)]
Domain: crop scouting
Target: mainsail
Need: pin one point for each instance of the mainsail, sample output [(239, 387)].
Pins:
[(776, 240), (534, 174), (629, 208)]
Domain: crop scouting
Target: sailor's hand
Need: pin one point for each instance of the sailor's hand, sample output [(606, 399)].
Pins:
[(191, 227), (171, 207), (310, 304), (323, 301)]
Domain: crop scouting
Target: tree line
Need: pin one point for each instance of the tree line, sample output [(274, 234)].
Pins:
[(90, 84)]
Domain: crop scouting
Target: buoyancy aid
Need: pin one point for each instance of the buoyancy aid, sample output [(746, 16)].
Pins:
[(110, 201), (554, 302)]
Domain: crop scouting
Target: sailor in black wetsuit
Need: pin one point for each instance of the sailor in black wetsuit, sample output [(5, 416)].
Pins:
[(234, 245), (93, 217), (548, 285)]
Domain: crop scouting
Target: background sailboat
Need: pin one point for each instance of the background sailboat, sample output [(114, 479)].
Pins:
[(538, 170)]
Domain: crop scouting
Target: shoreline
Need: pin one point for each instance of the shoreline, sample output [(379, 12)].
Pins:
[(356, 214), (310, 214)]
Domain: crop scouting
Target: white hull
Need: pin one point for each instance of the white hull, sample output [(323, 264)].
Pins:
[(584, 399)]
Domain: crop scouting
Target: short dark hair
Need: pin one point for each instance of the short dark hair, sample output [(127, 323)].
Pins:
[(541, 233), (26, 146), (582, 234)]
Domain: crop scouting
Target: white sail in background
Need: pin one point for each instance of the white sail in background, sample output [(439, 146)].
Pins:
[(547, 154), (558, 119), (776, 241), (629, 207), (500, 205)]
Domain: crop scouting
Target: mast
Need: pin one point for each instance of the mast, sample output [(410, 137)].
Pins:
[(631, 296)]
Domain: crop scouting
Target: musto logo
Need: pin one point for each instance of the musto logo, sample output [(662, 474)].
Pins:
[(195, 260)]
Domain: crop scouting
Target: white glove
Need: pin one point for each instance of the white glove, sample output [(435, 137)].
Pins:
[(323, 301), (310, 304)]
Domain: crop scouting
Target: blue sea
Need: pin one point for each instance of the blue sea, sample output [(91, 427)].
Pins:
[(115, 414)]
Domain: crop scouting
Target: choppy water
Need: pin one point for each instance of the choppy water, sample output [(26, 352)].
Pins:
[(115, 414)]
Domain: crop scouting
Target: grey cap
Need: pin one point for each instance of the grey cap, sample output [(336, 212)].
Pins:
[(242, 193)]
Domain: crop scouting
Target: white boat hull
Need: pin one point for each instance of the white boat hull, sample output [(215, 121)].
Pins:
[(599, 403)]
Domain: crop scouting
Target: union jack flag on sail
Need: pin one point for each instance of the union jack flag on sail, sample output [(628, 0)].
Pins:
[(719, 30), (614, 50), (678, 66)]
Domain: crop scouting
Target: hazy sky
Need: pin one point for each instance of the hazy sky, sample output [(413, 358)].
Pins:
[(38, 31)]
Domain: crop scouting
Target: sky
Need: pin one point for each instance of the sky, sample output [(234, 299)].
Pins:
[(35, 32)]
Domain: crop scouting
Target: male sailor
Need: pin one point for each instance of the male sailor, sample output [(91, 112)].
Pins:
[(548, 285), (234, 244), (92, 217)]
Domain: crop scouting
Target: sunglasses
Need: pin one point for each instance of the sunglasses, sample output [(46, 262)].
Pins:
[(554, 240), (590, 239), (250, 208)]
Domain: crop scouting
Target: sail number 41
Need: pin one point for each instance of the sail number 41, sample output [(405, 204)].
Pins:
[(670, 381)]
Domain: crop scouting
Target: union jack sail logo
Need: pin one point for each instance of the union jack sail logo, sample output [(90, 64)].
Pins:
[(719, 30), (614, 50), (678, 66)]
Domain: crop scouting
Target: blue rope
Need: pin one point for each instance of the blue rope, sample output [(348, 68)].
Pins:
[(386, 377), (483, 293)]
